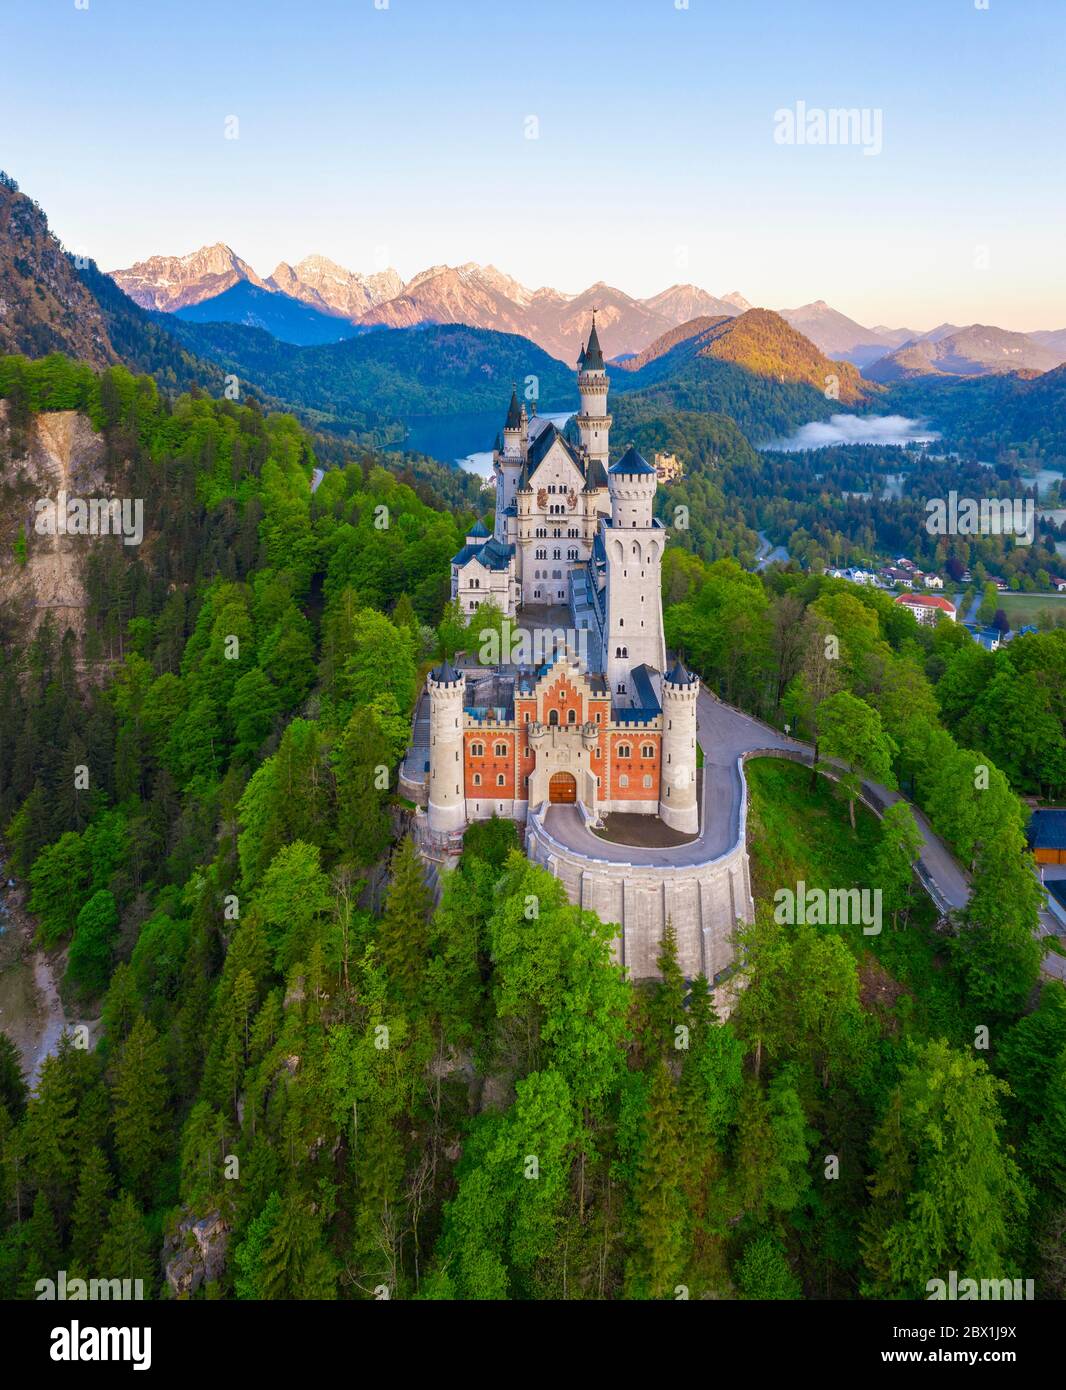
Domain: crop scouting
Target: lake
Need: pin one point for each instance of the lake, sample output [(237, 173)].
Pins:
[(463, 440)]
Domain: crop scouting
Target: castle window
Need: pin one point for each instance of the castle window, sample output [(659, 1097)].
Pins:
[(621, 622), (477, 779), (623, 750), (476, 750), (647, 779), (623, 781), (621, 688), (556, 555), (553, 716), (501, 750), (571, 716), (500, 779), (648, 751), (621, 651)]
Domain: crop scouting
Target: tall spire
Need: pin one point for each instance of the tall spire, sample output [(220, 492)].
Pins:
[(514, 411), (592, 357)]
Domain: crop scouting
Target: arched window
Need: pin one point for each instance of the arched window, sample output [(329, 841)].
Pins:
[(623, 781), (553, 716), (623, 750), (571, 716), (477, 750), (648, 751), (501, 750), (477, 779), (647, 779), (501, 780)]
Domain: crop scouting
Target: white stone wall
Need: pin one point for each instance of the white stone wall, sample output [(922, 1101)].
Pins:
[(634, 623), (704, 902), (447, 801), (677, 784)]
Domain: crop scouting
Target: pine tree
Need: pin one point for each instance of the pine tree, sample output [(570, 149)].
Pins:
[(140, 1099), (294, 1263), (403, 933), (658, 1264), (125, 1250), (667, 1008), (41, 1247), (13, 1088), (89, 1218)]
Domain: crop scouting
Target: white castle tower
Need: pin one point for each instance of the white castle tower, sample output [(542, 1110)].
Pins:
[(510, 456), (677, 778), (593, 422), (634, 543), (447, 773)]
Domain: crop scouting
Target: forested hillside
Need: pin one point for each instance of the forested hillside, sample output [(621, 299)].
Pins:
[(308, 1082)]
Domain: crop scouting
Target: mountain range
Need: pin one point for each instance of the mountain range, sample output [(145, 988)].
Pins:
[(318, 301), (979, 350), (983, 387), (476, 295)]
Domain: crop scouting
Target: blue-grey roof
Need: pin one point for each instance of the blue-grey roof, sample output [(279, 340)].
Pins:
[(1047, 830), (445, 672), (679, 676), (494, 554), (512, 510), (479, 529), (631, 462), (595, 476), (543, 442), (592, 355), (514, 412), (645, 691)]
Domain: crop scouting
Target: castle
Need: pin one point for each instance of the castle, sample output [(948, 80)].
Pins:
[(601, 725)]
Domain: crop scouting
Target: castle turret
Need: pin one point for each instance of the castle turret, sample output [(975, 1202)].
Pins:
[(508, 459), (633, 542), (593, 422), (678, 806), (447, 796)]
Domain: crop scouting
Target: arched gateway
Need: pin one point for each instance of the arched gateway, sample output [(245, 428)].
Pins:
[(562, 787)]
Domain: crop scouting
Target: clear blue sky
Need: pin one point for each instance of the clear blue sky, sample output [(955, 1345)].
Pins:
[(404, 128)]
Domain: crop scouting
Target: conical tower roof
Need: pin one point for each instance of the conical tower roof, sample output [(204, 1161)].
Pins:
[(592, 357)]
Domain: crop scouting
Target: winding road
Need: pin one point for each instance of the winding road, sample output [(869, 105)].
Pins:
[(726, 736)]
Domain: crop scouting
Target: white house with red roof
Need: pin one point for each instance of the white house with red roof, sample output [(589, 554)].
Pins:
[(927, 608)]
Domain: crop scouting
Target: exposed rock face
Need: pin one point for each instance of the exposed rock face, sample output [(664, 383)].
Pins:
[(479, 296), (61, 453), (44, 307), (483, 297), (172, 282), (196, 1254), (979, 350), (327, 286)]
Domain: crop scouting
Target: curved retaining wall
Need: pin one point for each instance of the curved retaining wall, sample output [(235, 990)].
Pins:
[(703, 900)]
